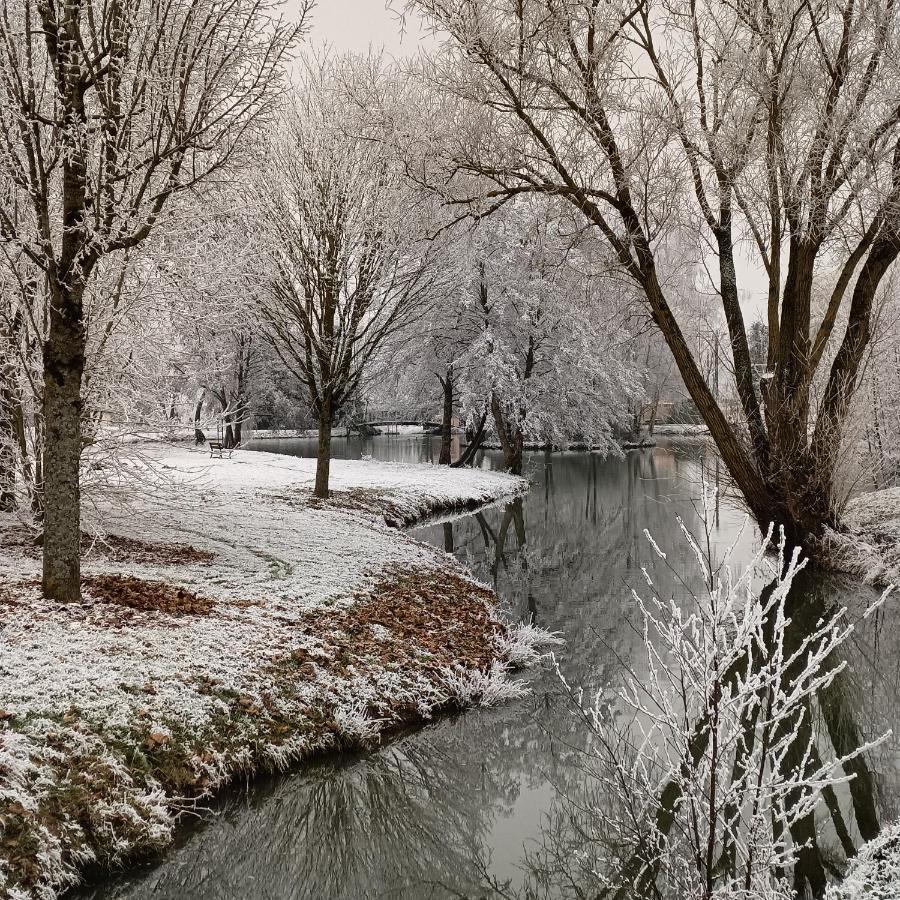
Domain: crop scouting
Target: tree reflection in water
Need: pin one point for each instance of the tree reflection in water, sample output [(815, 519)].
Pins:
[(480, 805)]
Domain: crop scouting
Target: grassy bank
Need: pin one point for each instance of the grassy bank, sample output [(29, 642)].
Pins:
[(868, 545), (229, 624)]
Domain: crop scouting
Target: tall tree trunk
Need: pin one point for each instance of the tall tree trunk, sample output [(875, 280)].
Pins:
[(199, 436), (511, 439), (64, 347), (323, 456), (63, 374), (7, 453), (447, 420)]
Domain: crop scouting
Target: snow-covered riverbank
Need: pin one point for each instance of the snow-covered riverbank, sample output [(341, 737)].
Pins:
[(229, 625), (869, 543)]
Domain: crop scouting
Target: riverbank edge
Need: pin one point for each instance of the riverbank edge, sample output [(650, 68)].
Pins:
[(867, 545), (874, 873), (104, 798)]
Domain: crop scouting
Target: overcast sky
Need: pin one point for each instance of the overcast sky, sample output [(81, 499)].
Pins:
[(358, 24)]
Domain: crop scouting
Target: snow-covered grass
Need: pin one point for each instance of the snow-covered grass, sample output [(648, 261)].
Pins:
[(229, 624), (869, 543), (678, 430), (874, 874)]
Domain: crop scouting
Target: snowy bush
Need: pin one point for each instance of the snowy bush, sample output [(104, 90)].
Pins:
[(709, 764), (875, 873)]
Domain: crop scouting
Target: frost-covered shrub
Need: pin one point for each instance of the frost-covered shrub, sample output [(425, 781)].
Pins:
[(705, 770), (875, 873)]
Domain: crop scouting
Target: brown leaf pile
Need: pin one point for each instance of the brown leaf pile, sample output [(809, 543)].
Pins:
[(365, 500), (435, 616), (371, 502), (132, 550), (143, 594)]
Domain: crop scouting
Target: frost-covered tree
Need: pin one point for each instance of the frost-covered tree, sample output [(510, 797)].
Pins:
[(420, 373), (877, 410), (777, 125), (342, 229), (545, 359), (211, 270), (108, 110), (22, 318)]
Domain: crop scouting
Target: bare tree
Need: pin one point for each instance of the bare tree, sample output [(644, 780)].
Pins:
[(341, 228), (108, 109), (715, 122)]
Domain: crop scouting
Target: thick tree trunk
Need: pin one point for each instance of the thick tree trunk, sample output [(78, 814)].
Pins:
[(447, 420), (63, 373), (7, 453), (323, 456), (63, 353), (199, 436), (511, 439)]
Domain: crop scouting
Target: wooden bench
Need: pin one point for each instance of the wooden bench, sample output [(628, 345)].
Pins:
[(217, 448)]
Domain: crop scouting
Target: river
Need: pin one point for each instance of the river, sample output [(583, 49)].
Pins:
[(475, 805)]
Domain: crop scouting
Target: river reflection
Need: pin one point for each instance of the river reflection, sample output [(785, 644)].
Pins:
[(462, 808)]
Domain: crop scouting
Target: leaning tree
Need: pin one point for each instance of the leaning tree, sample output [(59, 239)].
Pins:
[(108, 110), (777, 125), (342, 229)]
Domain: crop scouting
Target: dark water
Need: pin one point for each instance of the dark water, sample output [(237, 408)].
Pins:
[(464, 807)]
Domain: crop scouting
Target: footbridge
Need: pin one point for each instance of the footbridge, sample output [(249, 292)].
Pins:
[(391, 426)]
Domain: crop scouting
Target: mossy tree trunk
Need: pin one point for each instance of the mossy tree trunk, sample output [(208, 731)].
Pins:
[(64, 356)]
